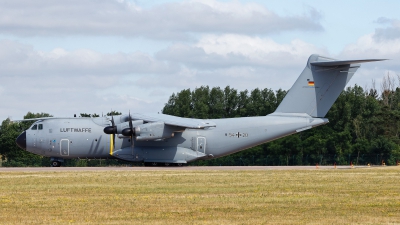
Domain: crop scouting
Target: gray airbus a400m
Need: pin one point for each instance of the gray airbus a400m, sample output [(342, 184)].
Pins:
[(158, 139)]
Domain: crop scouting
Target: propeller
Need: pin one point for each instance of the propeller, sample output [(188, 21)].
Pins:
[(129, 131), (112, 130)]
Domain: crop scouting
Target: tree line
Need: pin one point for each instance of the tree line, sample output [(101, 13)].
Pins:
[(364, 128)]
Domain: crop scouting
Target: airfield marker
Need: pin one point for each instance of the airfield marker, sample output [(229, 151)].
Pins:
[(317, 166)]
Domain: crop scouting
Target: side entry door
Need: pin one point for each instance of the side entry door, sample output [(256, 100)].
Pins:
[(201, 146), (64, 147)]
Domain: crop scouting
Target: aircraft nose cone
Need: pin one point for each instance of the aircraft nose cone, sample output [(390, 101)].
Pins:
[(21, 140)]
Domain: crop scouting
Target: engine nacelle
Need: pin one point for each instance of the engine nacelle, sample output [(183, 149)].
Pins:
[(118, 128), (153, 131), (125, 125)]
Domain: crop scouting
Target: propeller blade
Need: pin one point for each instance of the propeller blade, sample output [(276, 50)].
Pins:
[(132, 131), (130, 124), (115, 128)]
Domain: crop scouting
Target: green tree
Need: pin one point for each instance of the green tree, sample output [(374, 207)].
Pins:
[(231, 101), (89, 115), (10, 152), (201, 102), (113, 113), (216, 103)]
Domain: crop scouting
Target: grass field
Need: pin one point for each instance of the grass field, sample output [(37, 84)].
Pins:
[(353, 196)]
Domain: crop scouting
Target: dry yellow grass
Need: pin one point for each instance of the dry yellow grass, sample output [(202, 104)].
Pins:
[(357, 196)]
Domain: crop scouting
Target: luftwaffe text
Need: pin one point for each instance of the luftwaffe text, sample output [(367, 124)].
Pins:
[(87, 130)]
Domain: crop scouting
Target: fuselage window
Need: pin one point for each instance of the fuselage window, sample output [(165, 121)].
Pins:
[(40, 126), (34, 127)]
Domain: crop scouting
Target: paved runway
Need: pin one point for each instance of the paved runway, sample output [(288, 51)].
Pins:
[(188, 168)]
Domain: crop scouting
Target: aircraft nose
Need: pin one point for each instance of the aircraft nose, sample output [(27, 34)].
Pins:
[(21, 140)]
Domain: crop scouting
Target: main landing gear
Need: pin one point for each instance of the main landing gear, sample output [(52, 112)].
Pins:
[(159, 164)]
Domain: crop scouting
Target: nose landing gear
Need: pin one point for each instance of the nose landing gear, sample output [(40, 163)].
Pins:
[(56, 162)]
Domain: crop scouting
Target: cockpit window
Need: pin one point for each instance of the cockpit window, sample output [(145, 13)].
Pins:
[(34, 127), (40, 126)]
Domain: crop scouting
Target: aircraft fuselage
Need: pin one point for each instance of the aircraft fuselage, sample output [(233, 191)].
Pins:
[(66, 138)]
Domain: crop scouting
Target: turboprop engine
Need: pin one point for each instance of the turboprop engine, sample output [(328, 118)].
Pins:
[(137, 128)]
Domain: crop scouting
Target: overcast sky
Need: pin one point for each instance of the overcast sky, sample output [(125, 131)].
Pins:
[(91, 56)]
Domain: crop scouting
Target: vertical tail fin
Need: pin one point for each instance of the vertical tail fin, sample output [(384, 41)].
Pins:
[(319, 85)]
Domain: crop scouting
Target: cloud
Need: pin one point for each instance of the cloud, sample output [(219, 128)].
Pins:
[(232, 50), (165, 21), (369, 47), (241, 61), (65, 82), (377, 45), (383, 34), (61, 81), (383, 20), (21, 59), (389, 33)]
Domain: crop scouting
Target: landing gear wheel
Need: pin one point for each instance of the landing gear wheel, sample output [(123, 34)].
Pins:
[(166, 164), (55, 164), (149, 164), (179, 164)]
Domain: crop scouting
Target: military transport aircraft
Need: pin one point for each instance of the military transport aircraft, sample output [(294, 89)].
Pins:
[(158, 139)]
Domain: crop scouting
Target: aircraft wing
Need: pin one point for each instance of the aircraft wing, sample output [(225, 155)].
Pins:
[(174, 120)]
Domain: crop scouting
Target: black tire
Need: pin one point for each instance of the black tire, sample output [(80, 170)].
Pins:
[(166, 164), (55, 164), (150, 164), (179, 164)]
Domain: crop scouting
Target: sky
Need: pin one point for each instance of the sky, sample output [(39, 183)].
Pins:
[(94, 56)]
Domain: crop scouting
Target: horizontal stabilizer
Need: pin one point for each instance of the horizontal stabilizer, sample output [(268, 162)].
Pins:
[(344, 62)]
